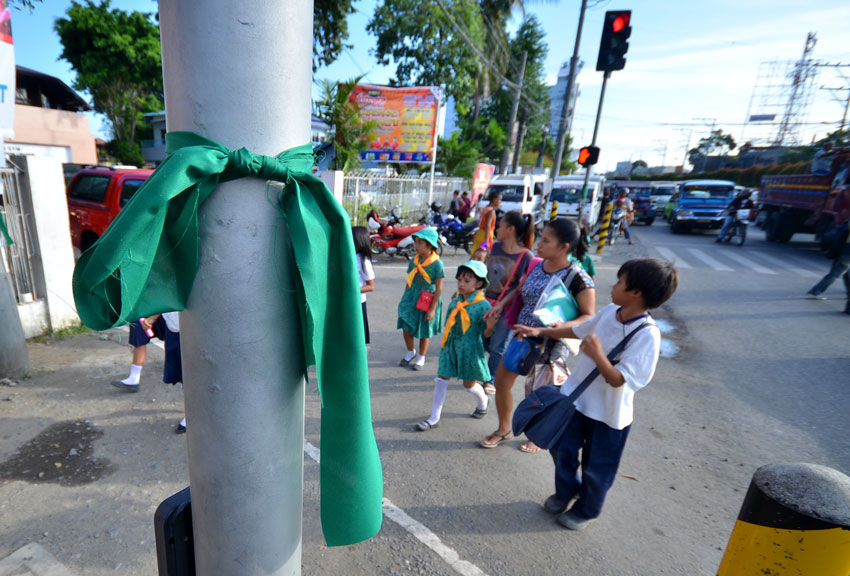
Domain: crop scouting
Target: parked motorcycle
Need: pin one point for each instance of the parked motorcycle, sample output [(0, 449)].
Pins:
[(388, 236), (738, 229), (452, 231)]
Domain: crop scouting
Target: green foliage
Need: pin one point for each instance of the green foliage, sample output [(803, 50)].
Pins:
[(17, 4), (349, 131), (717, 141), (487, 135), (426, 49), (330, 30), (116, 56), (457, 157)]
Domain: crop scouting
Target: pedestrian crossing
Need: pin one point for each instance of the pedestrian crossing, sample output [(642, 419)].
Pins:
[(731, 259)]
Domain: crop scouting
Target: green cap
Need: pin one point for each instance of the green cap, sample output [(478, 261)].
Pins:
[(479, 269), (430, 236)]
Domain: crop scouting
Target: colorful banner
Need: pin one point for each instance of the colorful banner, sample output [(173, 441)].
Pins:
[(406, 119), (481, 179), (7, 73)]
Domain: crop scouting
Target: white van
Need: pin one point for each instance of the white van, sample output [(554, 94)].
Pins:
[(566, 191), (520, 192)]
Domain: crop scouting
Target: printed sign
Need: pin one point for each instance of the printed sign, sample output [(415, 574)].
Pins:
[(481, 179), (7, 73), (406, 119)]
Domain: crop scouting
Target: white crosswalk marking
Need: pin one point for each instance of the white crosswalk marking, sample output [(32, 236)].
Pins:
[(748, 263), (671, 256), (716, 264), (790, 265)]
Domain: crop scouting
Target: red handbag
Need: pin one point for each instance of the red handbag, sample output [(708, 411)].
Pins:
[(425, 298), (512, 313)]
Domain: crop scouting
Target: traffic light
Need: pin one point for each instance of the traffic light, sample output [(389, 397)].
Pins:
[(615, 40), (588, 156)]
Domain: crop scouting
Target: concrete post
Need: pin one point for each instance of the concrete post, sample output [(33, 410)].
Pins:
[(14, 356), (606, 225), (795, 519), (240, 73)]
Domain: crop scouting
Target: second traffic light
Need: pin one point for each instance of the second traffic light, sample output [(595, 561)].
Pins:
[(615, 40), (588, 156)]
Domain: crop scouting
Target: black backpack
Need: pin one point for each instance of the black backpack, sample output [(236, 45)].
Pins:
[(834, 239)]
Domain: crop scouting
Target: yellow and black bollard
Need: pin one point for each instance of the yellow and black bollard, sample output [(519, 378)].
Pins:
[(606, 224), (795, 519), (554, 214)]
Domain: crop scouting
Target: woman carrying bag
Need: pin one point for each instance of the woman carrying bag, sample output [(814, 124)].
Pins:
[(559, 239), (506, 264)]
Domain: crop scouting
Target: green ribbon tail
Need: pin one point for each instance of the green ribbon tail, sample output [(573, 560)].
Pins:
[(5, 232), (146, 262)]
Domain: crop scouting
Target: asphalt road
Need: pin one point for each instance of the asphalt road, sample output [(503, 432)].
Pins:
[(760, 377)]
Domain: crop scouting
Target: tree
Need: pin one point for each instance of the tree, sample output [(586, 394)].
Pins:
[(349, 132), (116, 56), (716, 141), (487, 135), (426, 49), (457, 157), (16, 4), (330, 30), (639, 167)]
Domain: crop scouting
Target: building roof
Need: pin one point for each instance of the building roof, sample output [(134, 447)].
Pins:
[(44, 91)]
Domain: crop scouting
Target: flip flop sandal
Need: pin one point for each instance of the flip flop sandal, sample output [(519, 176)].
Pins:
[(489, 389), (529, 448), (501, 438), (425, 426)]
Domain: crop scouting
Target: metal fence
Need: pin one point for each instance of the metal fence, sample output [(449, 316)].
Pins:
[(408, 194), (19, 220)]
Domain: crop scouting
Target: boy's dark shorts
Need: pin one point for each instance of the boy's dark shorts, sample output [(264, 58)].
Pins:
[(138, 336)]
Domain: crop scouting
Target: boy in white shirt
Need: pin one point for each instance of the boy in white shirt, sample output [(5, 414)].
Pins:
[(604, 412)]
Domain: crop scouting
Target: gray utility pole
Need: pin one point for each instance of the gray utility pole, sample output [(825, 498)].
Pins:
[(542, 146), (563, 129), (14, 356), (507, 156), (588, 168), (240, 73), (520, 137)]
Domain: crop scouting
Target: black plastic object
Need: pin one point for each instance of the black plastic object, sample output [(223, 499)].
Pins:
[(175, 546)]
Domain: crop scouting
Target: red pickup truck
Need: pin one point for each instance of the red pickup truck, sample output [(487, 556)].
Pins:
[(95, 196), (805, 203)]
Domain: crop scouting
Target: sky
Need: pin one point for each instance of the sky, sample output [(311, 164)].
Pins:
[(690, 66)]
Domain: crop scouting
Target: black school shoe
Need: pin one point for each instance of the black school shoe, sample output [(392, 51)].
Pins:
[(124, 386), (180, 429)]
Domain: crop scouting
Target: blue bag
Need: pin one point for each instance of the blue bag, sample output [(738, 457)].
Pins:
[(521, 355)]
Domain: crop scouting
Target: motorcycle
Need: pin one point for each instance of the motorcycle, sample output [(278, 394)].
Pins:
[(616, 224), (738, 228), (387, 236), (452, 231)]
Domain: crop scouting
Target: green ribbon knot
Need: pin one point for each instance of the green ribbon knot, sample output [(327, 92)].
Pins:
[(145, 263)]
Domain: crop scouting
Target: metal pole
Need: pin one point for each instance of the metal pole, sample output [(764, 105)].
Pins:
[(563, 129), (507, 155), (592, 143), (606, 225), (434, 154), (241, 339)]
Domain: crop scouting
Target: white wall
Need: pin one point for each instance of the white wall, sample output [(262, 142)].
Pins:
[(50, 211)]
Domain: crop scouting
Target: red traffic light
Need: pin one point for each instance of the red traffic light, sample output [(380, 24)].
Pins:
[(588, 156), (620, 22)]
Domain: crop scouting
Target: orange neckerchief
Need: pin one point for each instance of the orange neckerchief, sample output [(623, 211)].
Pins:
[(417, 267), (465, 322)]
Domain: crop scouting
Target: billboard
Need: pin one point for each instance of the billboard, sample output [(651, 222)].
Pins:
[(406, 119), (481, 179), (7, 73)]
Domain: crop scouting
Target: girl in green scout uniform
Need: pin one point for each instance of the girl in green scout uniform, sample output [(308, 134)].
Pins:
[(420, 310), (462, 354)]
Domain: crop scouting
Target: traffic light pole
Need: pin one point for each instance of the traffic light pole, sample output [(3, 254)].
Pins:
[(592, 143), (240, 74)]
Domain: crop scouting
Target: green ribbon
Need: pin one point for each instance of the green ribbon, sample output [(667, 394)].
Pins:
[(146, 261), (5, 232)]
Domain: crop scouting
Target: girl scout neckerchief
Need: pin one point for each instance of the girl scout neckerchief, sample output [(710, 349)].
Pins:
[(420, 268), (465, 322), (145, 263)]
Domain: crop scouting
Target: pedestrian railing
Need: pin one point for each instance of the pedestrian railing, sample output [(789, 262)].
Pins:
[(409, 195)]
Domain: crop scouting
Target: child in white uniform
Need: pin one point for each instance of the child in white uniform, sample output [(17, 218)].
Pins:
[(604, 412)]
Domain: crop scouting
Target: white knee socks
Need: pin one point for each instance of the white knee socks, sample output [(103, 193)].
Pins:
[(441, 386), (477, 390)]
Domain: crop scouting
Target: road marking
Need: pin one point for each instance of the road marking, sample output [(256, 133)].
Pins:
[(787, 264), (671, 256), (418, 531), (32, 560), (716, 264), (748, 263)]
